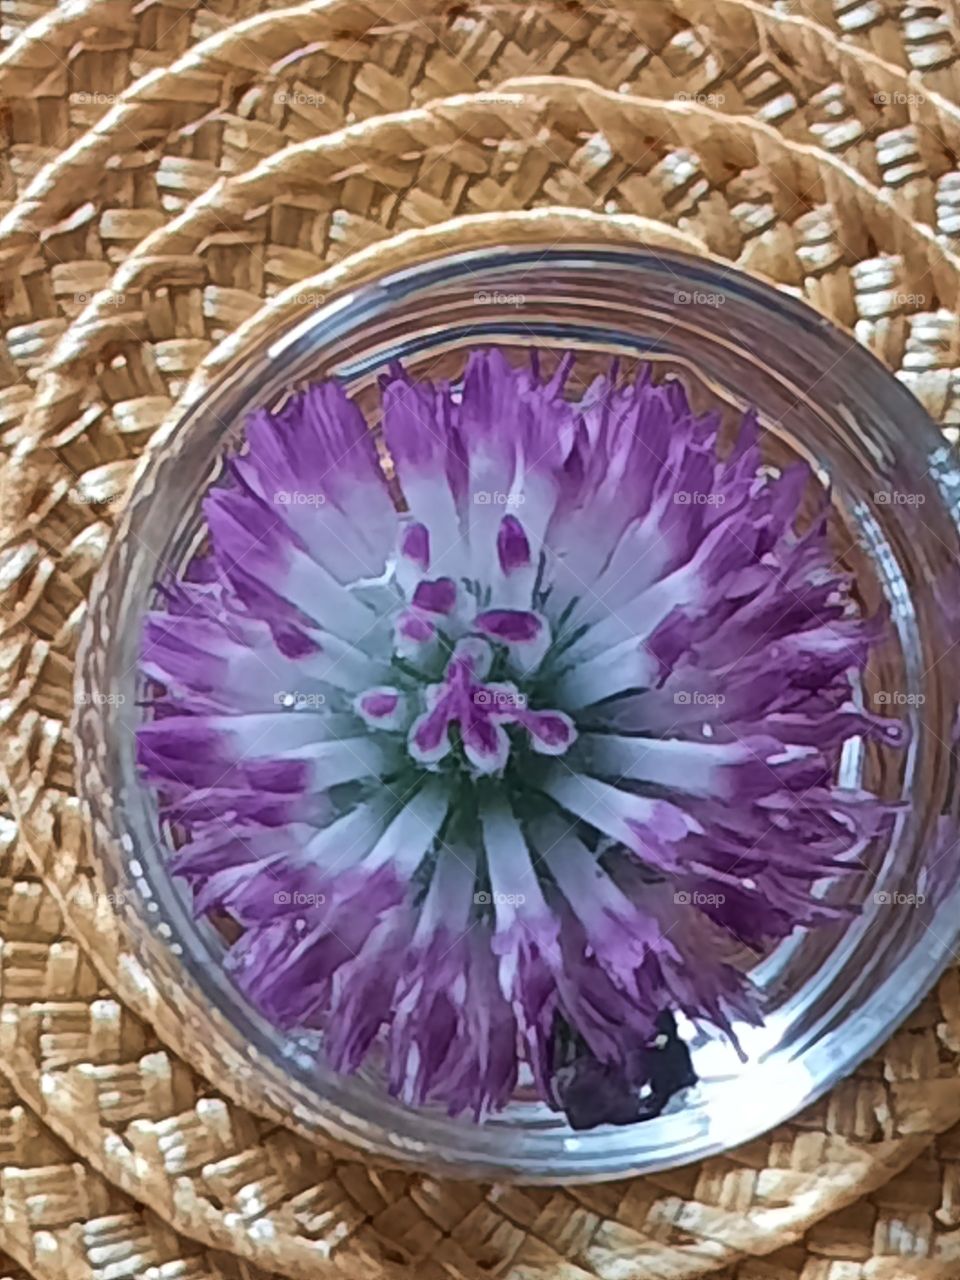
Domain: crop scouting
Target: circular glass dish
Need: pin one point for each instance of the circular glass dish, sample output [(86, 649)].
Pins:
[(832, 995)]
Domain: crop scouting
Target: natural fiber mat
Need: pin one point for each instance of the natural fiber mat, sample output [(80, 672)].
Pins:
[(177, 177), (62, 1220), (242, 92)]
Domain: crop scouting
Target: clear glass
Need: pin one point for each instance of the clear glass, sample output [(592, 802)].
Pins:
[(833, 995)]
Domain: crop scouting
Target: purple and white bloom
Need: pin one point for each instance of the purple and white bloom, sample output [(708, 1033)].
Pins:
[(502, 734)]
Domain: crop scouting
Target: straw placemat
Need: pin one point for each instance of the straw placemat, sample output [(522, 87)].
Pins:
[(179, 176)]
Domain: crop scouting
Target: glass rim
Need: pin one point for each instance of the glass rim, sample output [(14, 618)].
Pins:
[(386, 1127)]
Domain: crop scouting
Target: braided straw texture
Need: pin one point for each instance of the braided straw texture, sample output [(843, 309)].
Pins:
[(175, 179)]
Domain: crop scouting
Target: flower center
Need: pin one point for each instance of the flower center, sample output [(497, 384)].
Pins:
[(478, 713), (479, 709)]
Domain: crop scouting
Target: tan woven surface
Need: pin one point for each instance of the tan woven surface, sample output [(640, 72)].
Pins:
[(813, 143)]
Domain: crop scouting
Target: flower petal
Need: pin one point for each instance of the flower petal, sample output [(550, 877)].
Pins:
[(264, 564), (419, 429), (383, 707), (438, 596), (732, 771), (651, 828)]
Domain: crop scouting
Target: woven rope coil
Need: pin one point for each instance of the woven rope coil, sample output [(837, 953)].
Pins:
[(176, 179)]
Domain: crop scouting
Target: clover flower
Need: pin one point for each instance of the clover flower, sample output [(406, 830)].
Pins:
[(503, 731)]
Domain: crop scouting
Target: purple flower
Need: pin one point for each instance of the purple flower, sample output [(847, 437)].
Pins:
[(503, 774)]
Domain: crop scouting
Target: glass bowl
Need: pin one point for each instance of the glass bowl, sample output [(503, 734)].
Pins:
[(832, 995)]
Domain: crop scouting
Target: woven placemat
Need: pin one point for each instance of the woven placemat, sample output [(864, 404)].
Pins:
[(811, 145)]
